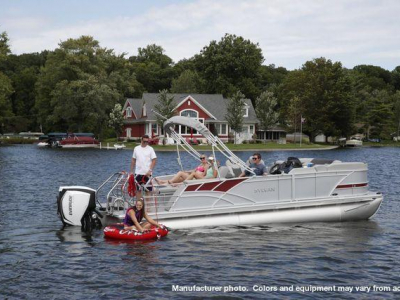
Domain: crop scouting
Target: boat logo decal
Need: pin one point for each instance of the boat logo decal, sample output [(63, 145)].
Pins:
[(264, 190), (70, 205)]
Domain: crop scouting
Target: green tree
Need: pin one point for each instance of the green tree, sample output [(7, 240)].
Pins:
[(153, 68), (396, 78), (4, 46), (165, 106), (373, 77), (116, 120), (396, 110), (325, 94), (23, 70), (266, 112), (294, 114), (5, 101), (82, 105), (74, 74), (378, 119), (6, 88), (234, 112), (271, 75), (230, 65), (396, 113), (188, 82)]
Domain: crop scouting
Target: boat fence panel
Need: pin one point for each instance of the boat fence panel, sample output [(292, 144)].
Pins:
[(158, 203)]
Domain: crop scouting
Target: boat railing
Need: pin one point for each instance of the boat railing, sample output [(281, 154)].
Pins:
[(157, 202), (117, 198)]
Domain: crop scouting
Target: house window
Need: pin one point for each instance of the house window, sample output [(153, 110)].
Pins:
[(154, 129), (222, 129), (129, 112), (191, 114), (252, 129), (246, 111)]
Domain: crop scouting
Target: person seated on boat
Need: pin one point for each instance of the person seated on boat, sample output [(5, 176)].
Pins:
[(212, 169), (256, 165), (198, 173), (210, 173), (135, 214)]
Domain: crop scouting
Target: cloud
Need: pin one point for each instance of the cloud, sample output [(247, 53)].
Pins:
[(288, 32)]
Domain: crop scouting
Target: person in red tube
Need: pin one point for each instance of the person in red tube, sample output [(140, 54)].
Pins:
[(134, 216)]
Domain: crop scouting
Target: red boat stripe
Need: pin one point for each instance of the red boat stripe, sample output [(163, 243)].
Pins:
[(228, 184), (191, 188), (347, 186), (208, 186)]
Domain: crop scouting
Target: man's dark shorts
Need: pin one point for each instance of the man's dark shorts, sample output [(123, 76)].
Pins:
[(141, 180)]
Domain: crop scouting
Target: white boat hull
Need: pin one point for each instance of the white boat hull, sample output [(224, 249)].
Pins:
[(328, 213), (354, 143), (341, 210), (79, 146), (43, 144)]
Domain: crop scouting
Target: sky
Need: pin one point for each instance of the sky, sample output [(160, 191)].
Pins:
[(289, 32)]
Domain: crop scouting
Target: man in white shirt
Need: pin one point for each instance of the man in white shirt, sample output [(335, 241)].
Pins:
[(143, 160)]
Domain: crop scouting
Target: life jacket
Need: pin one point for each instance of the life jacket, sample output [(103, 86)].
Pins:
[(138, 214)]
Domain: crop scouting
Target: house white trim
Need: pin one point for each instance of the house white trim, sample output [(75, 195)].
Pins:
[(198, 104)]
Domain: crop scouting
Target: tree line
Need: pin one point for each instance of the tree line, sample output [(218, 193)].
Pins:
[(76, 87)]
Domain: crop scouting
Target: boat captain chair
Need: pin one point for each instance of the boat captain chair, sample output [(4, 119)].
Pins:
[(226, 172), (235, 168)]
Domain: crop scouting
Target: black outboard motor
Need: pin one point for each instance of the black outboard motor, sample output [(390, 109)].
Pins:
[(287, 166), (76, 206)]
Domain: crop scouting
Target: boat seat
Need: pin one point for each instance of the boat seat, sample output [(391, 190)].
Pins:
[(226, 172)]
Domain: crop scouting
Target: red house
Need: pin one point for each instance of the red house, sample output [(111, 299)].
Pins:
[(209, 109)]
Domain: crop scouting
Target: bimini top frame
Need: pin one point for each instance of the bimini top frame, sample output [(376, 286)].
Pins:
[(214, 141)]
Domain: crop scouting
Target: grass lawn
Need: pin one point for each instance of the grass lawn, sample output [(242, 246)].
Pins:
[(239, 147)]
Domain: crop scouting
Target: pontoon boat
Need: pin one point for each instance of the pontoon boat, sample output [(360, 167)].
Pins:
[(294, 191)]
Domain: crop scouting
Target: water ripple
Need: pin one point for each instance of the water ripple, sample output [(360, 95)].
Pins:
[(40, 259)]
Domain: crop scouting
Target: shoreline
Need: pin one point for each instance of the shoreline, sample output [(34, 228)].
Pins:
[(251, 149)]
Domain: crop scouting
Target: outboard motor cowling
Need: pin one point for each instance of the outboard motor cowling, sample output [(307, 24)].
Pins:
[(76, 205)]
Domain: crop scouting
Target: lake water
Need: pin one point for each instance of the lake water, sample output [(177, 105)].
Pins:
[(39, 259)]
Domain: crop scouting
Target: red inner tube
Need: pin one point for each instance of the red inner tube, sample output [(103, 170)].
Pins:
[(117, 231)]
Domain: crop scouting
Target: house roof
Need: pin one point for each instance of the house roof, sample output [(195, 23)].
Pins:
[(214, 103)]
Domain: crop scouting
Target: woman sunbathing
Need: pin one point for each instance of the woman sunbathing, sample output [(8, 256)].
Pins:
[(211, 171), (198, 173)]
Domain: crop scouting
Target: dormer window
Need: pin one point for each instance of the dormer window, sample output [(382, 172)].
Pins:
[(144, 110), (246, 111), (129, 112)]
